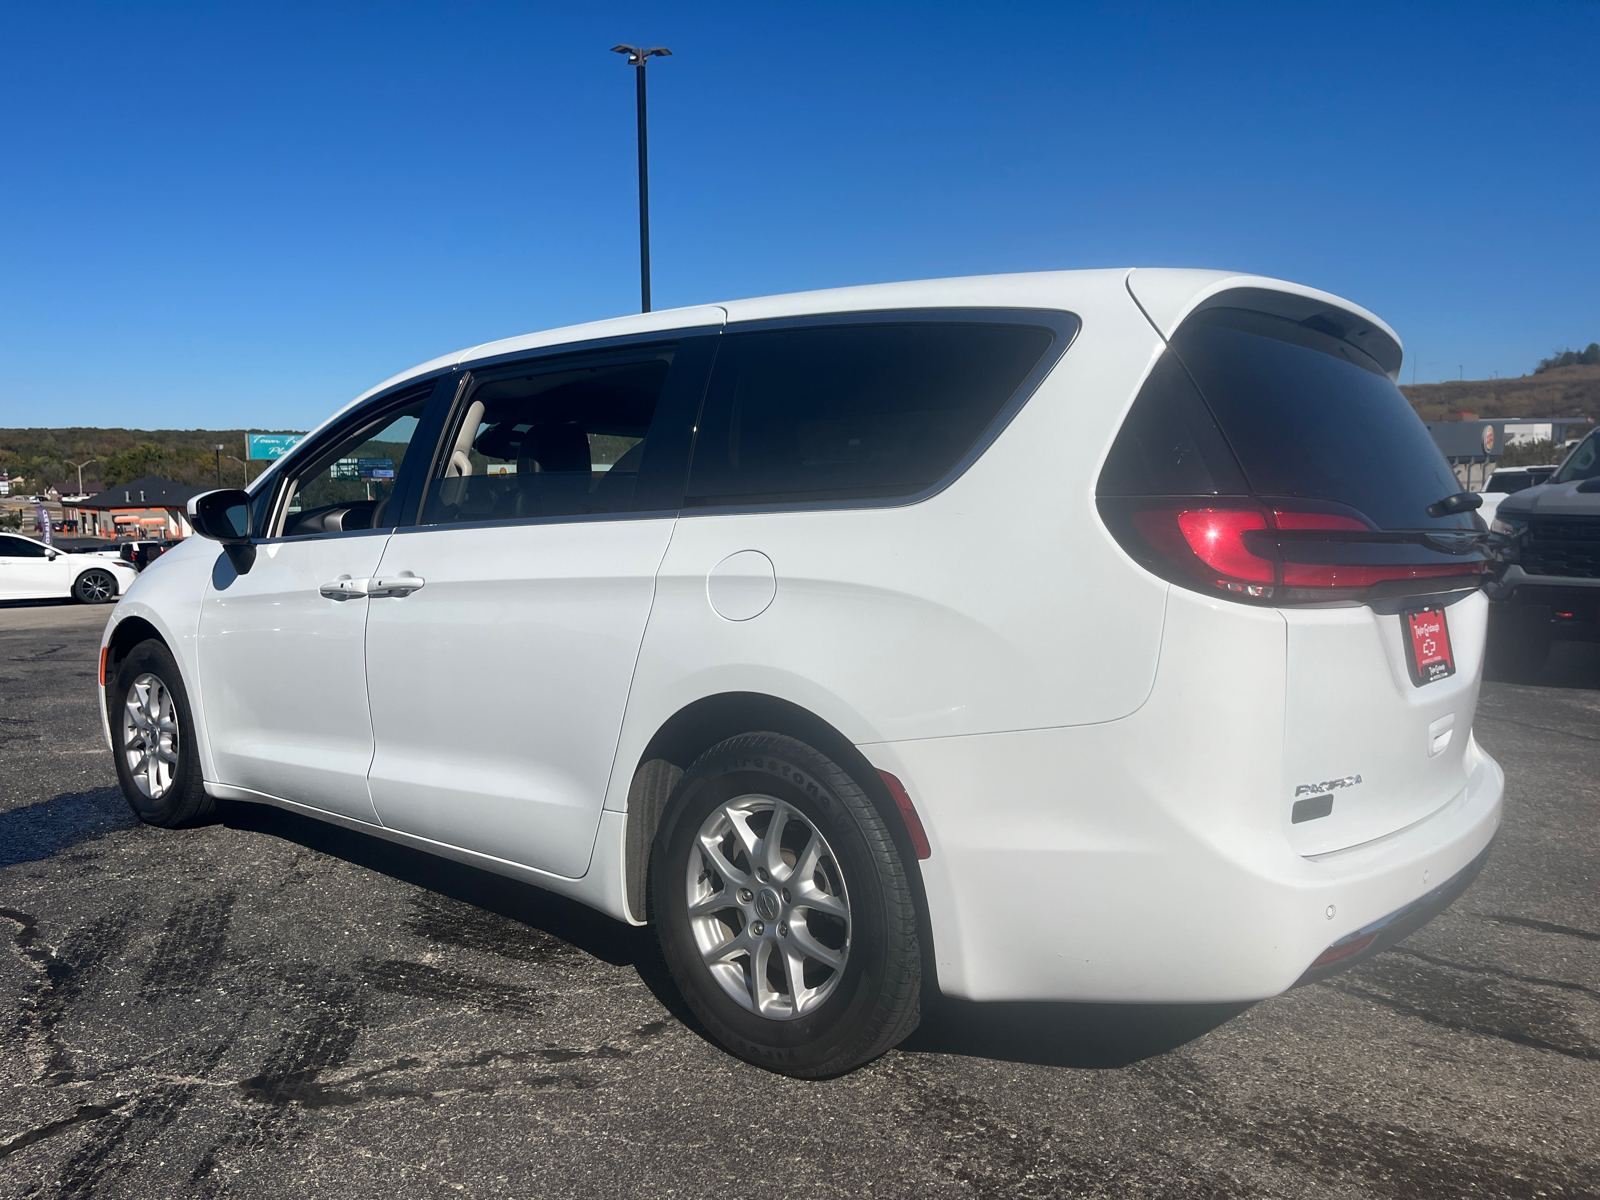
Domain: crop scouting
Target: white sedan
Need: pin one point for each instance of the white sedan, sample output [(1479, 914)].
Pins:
[(30, 570)]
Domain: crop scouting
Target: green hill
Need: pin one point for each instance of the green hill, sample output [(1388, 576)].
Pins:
[(45, 456), (1554, 392)]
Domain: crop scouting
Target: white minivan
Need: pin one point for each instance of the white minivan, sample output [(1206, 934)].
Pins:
[(1092, 636)]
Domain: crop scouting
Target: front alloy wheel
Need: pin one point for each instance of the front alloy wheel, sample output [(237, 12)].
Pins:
[(152, 726), (95, 587), (150, 736)]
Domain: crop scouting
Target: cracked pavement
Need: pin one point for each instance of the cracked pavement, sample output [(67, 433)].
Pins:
[(270, 1006)]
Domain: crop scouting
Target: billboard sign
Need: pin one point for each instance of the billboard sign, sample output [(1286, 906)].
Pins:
[(345, 468), (375, 468), (271, 445)]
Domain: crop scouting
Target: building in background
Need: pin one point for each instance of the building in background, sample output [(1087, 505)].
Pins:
[(1473, 448), (151, 508)]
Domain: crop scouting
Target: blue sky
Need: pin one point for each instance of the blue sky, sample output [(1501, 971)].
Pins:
[(221, 215)]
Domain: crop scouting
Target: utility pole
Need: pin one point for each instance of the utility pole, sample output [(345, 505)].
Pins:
[(638, 56)]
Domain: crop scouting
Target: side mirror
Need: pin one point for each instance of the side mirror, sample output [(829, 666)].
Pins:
[(224, 516), (50, 552)]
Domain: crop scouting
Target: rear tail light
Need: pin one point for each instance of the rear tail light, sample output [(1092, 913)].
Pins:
[(1256, 551)]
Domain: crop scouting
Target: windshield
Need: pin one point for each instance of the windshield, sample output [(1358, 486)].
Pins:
[(1582, 463)]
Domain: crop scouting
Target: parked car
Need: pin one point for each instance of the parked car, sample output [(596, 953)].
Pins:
[(1506, 481), (30, 570), (142, 553), (1032, 635), (1547, 583)]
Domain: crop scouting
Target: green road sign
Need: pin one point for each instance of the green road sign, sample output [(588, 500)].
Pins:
[(272, 445)]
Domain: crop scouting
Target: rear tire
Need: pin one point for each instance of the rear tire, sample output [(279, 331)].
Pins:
[(152, 730), (800, 955), (95, 586), (1519, 641)]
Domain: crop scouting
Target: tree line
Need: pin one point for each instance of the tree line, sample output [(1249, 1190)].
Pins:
[(1587, 357), (37, 459)]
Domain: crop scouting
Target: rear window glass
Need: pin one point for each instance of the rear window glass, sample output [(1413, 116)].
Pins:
[(1170, 444), (852, 411), (1309, 415)]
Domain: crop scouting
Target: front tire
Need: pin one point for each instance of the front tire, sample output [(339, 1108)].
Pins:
[(152, 728), (784, 911), (95, 586)]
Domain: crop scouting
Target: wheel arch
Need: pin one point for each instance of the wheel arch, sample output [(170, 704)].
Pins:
[(702, 724), (125, 635)]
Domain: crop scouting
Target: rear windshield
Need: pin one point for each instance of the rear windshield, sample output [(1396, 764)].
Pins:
[(1304, 415)]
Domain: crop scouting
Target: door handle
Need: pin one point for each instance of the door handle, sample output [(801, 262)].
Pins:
[(345, 588), (402, 584)]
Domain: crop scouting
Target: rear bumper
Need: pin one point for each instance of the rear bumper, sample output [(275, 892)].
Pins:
[(1059, 873), (1396, 927)]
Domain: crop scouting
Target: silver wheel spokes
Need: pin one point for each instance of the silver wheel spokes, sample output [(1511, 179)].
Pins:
[(768, 907), (150, 736)]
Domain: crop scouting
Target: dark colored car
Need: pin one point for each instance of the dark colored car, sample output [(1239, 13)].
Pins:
[(1546, 584), (142, 554)]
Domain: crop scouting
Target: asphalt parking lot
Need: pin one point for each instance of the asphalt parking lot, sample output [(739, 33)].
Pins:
[(273, 1007)]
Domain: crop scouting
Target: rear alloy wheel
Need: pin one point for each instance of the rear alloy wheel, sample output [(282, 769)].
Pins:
[(151, 728), (95, 587), (784, 910)]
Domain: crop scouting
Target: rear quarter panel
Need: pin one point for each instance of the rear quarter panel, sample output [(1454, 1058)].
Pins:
[(1000, 603)]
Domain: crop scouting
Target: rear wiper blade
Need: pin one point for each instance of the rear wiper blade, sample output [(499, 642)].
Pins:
[(1451, 505)]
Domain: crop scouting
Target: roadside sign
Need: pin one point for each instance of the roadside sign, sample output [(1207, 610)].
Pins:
[(271, 445), (375, 468), (345, 468)]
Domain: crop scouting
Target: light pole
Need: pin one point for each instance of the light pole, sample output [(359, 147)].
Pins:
[(638, 56), (80, 467), (217, 446), (246, 467)]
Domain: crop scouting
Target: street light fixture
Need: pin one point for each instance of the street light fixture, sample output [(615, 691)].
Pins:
[(80, 467), (638, 56), (246, 467), (217, 446)]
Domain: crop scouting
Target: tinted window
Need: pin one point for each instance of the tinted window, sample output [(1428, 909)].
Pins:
[(1170, 444), (852, 411), (1310, 415), (1583, 463), (559, 440), (15, 547), (346, 482)]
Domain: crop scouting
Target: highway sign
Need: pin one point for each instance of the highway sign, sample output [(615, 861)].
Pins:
[(271, 445)]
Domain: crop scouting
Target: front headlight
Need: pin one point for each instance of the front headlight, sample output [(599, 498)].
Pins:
[(1509, 527)]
